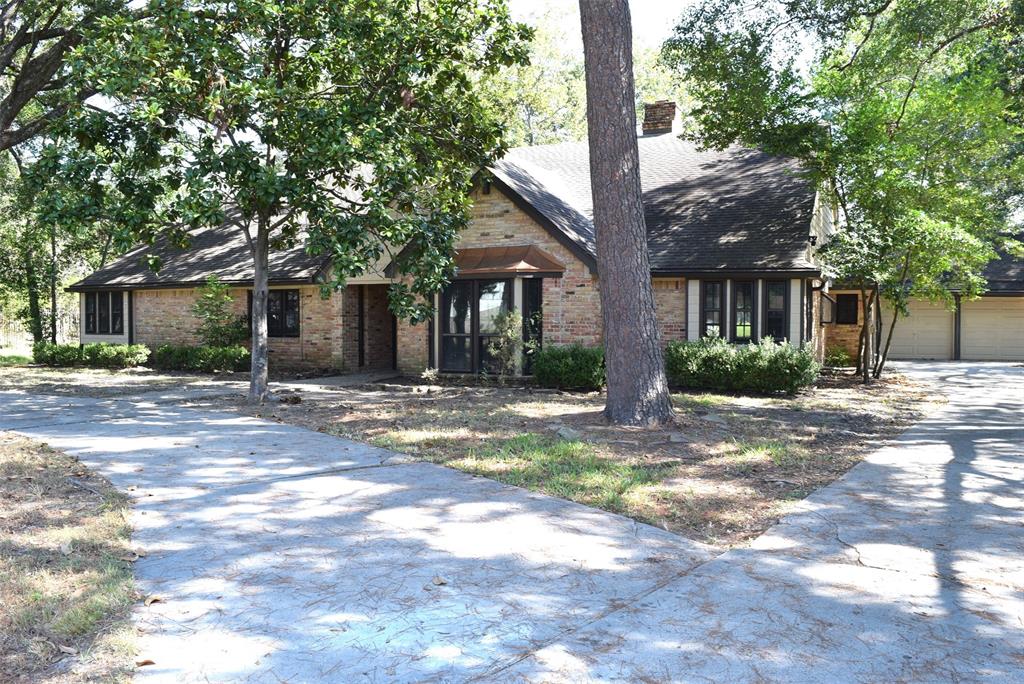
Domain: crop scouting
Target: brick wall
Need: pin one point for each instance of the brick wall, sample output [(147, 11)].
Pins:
[(165, 317), (572, 306), (845, 336)]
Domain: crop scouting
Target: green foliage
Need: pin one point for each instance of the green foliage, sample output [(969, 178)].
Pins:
[(573, 367), (98, 355), (115, 355), (766, 367), (506, 347), (838, 357), (202, 359), (219, 326), (906, 115)]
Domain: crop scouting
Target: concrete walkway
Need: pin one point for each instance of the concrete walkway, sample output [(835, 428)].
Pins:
[(282, 554)]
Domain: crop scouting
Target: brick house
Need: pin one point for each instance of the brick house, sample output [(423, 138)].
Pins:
[(732, 237)]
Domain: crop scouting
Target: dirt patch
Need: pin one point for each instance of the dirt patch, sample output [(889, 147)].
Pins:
[(65, 569), (726, 470)]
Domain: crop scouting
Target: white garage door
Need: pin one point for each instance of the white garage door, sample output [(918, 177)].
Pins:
[(927, 333), (992, 329)]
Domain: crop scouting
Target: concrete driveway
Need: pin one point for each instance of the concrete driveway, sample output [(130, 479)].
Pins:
[(282, 554)]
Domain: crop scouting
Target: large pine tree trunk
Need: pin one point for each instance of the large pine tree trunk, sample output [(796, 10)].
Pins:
[(637, 389), (258, 392)]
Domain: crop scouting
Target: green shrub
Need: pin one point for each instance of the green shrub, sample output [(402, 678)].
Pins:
[(838, 357), (220, 326), (713, 364), (114, 355), (571, 367), (204, 359), (98, 355)]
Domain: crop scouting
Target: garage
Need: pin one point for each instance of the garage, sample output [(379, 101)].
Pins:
[(992, 329), (927, 333)]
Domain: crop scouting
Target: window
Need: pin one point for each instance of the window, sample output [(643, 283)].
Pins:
[(846, 309), (470, 310), (775, 309), (457, 327), (743, 311), (533, 320), (104, 313), (711, 308), (282, 313)]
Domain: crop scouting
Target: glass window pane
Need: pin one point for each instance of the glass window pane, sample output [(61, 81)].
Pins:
[(713, 296), (104, 313), (455, 353), (90, 313), (274, 313), (487, 362), (291, 312), (116, 313), (775, 325), (776, 296), (493, 303), (457, 308), (744, 311)]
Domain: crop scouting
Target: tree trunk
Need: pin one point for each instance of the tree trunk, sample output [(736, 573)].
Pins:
[(888, 343), (258, 392), (53, 285), (868, 333), (637, 389), (35, 313)]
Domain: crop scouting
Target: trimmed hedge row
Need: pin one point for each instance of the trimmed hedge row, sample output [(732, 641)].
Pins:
[(97, 355), (205, 359), (765, 367), (572, 367)]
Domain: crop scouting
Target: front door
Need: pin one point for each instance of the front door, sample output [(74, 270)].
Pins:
[(470, 310)]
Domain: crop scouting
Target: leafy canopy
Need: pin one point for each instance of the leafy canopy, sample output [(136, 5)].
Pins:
[(906, 113), (353, 126)]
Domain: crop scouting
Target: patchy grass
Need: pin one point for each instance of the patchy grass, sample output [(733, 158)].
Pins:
[(570, 469), (65, 569), (8, 359), (726, 470)]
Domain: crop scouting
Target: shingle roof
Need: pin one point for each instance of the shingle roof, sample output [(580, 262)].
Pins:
[(1005, 274), (737, 210), (221, 252)]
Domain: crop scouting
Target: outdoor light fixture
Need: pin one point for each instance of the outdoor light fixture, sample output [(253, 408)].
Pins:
[(813, 239)]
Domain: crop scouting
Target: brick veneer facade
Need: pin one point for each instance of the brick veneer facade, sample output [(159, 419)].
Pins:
[(165, 317), (845, 336), (571, 304)]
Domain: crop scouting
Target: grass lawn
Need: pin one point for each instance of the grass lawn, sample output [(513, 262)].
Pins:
[(11, 359), (65, 569), (726, 470)]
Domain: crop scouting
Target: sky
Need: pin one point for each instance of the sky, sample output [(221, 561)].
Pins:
[(652, 19)]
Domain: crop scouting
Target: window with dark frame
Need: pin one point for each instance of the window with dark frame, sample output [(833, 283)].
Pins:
[(104, 313), (533, 321), (776, 306), (743, 309), (457, 327), (711, 308), (282, 313), (846, 309)]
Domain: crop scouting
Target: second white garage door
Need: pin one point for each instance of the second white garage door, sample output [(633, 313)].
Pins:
[(927, 333), (992, 329)]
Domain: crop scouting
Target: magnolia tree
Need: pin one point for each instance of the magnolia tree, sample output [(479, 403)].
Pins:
[(352, 126), (906, 115)]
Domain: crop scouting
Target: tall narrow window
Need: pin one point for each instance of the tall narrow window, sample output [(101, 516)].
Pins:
[(533, 320), (775, 309), (116, 313), (103, 327), (711, 308), (457, 327), (494, 300), (743, 311), (90, 313)]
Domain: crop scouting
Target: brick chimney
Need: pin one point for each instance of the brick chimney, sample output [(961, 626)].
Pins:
[(659, 117)]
